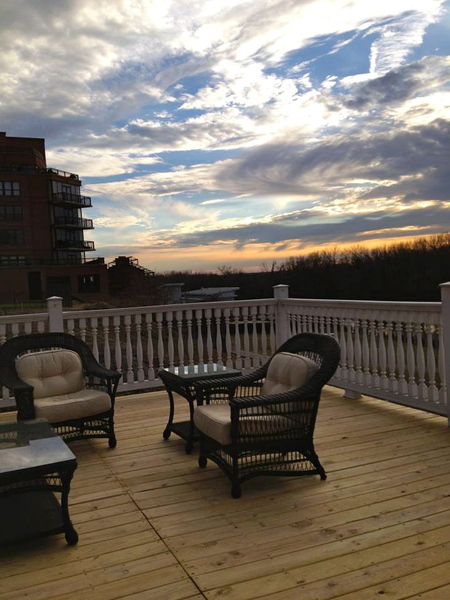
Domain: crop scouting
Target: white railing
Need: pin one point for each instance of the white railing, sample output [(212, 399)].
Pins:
[(390, 350), (139, 341)]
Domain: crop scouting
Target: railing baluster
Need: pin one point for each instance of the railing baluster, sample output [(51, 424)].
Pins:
[(401, 365), (374, 354), (159, 328), (247, 359), (228, 346), (384, 381), (366, 353), (441, 363), (433, 393), (358, 352), (237, 339), (170, 346), (190, 341), (218, 315), (139, 349), (129, 349), (209, 343), (117, 344), (199, 315), (94, 328), (179, 318), (393, 382), (410, 361), (350, 352), (150, 356), (422, 388), (82, 325), (343, 343), (255, 348), (106, 348), (272, 334), (264, 333)]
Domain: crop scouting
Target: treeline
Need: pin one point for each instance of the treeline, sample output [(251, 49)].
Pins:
[(405, 271)]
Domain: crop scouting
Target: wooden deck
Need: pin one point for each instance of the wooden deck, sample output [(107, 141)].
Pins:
[(152, 525)]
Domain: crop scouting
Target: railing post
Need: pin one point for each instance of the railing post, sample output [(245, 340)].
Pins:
[(445, 297), (280, 293), (55, 314)]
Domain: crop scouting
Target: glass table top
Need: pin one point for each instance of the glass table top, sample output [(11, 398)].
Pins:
[(30, 444), (205, 371)]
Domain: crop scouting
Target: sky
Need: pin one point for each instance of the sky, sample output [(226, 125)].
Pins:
[(235, 132)]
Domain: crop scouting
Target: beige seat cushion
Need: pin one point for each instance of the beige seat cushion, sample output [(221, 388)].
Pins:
[(287, 372), (59, 386), (214, 420), (85, 403), (52, 372)]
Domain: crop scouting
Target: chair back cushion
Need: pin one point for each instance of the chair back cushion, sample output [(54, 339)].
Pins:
[(52, 372), (287, 372)]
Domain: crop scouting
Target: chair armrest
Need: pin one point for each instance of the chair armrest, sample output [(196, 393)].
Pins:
[(307, 392), (102, 372), (12, 381), (23, 393), (210, 386)]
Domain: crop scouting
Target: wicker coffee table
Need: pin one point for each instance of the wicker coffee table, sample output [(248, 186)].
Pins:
[(34, 464), (181, 381)]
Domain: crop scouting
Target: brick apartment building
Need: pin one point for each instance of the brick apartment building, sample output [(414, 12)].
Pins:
[(42, 245)]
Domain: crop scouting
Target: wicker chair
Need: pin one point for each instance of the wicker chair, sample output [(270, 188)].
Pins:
[(263, 423), (55, 376)]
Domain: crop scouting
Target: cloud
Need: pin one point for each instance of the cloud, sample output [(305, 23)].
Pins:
[(399, 85)]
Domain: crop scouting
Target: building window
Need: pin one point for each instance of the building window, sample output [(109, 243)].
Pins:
[(11, 237), (10, 213), (12, 261), (58, 188), (9, 188), (89, 283)]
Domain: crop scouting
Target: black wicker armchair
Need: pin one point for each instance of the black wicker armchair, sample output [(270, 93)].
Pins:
[(56, 376), (263, 423)]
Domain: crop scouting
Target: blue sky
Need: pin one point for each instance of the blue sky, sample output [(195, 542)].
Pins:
[(237, 132)]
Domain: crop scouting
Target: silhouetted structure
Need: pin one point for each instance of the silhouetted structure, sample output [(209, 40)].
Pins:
[(126, 276)]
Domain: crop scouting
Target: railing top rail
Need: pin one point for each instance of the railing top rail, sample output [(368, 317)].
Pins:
[(111, 312), (28, 318), (365, 304)]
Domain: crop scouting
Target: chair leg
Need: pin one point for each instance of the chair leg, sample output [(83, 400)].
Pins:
[(316, 462), (236, 490), (202, 460), (112, 441)]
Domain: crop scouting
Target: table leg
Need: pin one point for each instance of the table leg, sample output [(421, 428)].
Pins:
[(70, 533), (190, 443), (167, 431)]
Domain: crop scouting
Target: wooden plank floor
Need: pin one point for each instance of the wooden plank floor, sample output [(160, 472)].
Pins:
[(152, 525)]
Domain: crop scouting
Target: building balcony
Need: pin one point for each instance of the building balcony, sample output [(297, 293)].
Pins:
[(73, 223), (35, 170), (74, 245), (64, 198)]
